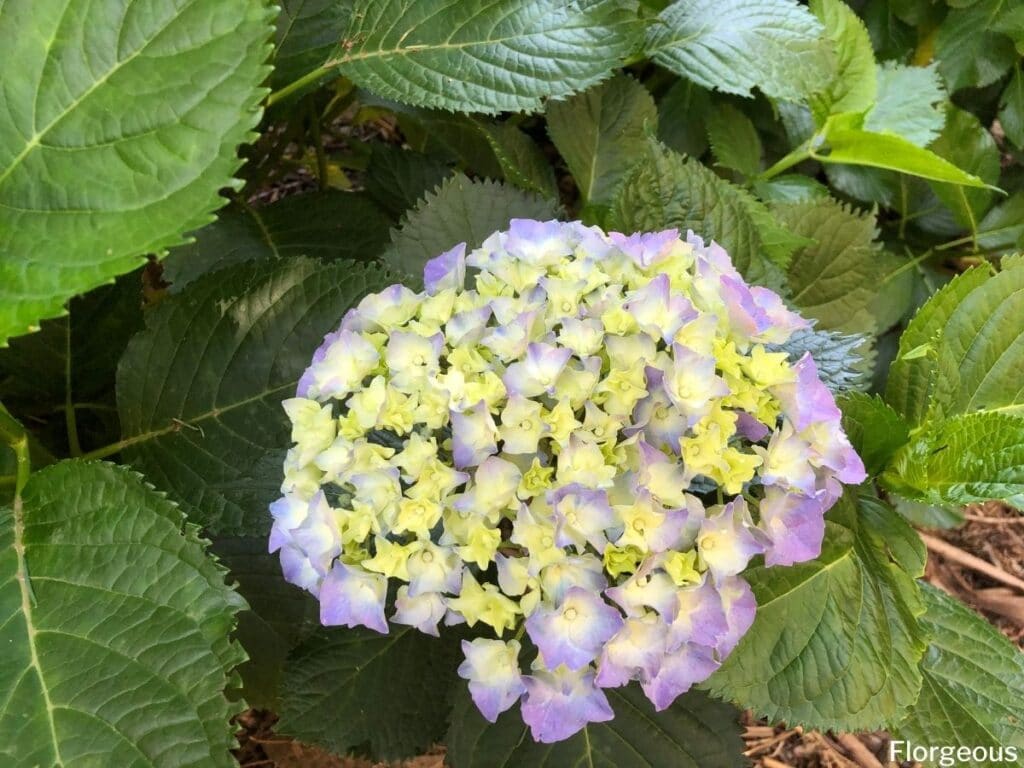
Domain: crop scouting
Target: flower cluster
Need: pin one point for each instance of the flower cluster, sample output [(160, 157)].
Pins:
[(586, 447)]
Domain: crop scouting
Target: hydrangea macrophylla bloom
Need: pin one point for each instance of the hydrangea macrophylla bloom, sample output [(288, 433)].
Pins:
[(585, 444)]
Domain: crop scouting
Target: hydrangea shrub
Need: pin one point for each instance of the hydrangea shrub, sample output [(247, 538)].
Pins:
[(574, 440)]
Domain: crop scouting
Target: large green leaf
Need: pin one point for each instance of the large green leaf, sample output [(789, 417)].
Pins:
[(910, 103), (348, 688), (200, 389), (118, 125), (279, 617), (326, 225), (115, 628), (522, 162), (460, 210), (484, 55), (668, 190), (973, 692), (912, 375), (962, 460), (836, 276), (695, 732), (601, 135), (855, 83), (735, 45), (836, 641), (970, 48)]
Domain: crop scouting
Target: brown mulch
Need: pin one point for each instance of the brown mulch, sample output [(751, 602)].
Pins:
[(981, 563)]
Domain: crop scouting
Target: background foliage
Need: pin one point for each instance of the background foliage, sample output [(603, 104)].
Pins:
[(862, 159)]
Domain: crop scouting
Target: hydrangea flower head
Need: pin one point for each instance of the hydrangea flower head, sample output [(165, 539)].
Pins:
[(573, 442)]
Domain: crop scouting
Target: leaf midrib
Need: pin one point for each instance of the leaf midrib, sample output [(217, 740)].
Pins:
[(30, 629)]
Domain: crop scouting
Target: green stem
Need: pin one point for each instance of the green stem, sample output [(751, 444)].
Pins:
[(109, 450), (12, 433), (318, 144), (798, 155), (907, 266), (69, 405), (307, 79)]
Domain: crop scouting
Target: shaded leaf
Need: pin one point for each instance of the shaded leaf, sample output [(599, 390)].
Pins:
[(398, 178), (307, 32), (200, 389), (734, 140), (682, 112), (965, 143), (326, 225), (118, 645), (970, 50), (601, 135), (1003, 225), (117, 140), (459, 211), (522, 161), (348, 688), (695, 732), (1011, 108)]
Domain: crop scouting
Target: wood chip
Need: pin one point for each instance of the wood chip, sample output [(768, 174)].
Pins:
[(951, 552), (855, 748)]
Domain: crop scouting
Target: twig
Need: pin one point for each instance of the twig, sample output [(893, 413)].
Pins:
[(995, 520), (957, 555), (771, 762), (856, 749)]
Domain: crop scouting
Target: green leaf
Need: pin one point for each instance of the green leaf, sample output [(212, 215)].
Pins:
[(200, 389), (307, 32), (485, 55), (1011, 108), (970, 50), (912, 375), (875, 430), (834, 278), (1003, 225), (965, 143), (279, 617), (121, 130), (115, 627), (346, 688), (601, 134), (668, 190), (327, 225), (911, 103), (836, 641), (73, 359), (459, 211), (844, 361), (962, 460), (734, 140), (695, 732), (854, 83), (923, 515), (980, 348), (682, 112), (735, 45), (522, 161), (883, 150), (790, 188), (974, 684), (398, 178)]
